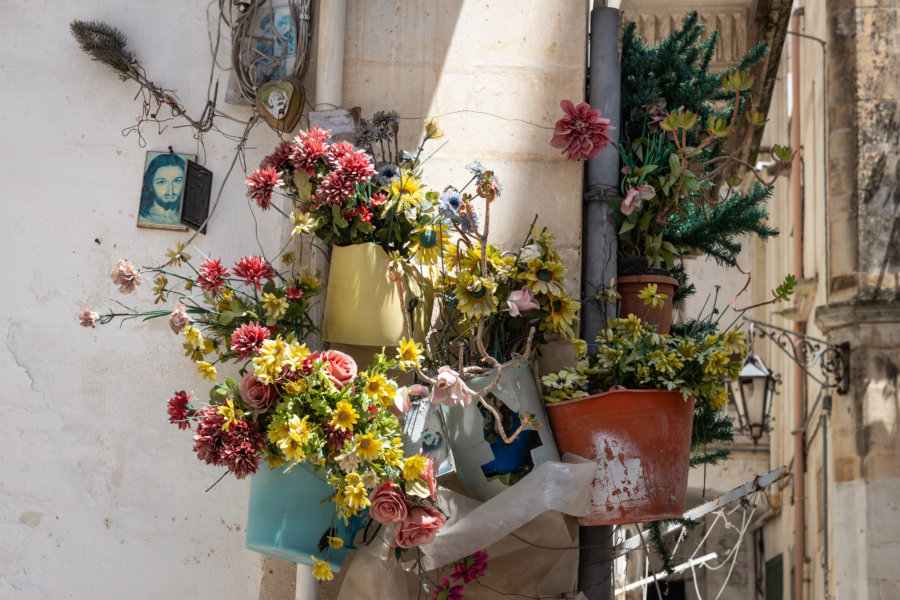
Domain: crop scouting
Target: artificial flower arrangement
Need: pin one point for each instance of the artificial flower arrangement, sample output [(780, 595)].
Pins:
[(292, 407), (343, 195)]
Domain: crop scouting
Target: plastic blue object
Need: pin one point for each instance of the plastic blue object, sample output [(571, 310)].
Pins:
[(287, 518), (508, 457)]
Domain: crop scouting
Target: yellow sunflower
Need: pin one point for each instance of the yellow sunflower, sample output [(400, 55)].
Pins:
[(429, 243), (409, 353), (407, 190), (561, 315), (475, 295), (545, 277)]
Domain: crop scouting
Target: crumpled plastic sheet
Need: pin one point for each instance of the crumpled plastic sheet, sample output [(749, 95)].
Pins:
[(561, 488)]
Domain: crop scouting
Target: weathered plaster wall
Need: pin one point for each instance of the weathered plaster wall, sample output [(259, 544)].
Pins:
[(99, 495)]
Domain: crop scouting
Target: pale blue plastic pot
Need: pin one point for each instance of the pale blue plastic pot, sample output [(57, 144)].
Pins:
[(287, 518)]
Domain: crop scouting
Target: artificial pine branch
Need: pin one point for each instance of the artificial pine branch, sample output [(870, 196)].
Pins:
[(659, 544), (104, 43), (714, 231)]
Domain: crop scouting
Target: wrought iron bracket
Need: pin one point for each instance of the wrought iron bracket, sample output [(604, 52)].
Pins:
[(825, 363)]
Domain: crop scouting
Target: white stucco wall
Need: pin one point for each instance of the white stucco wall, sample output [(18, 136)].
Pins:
[(99, 495)]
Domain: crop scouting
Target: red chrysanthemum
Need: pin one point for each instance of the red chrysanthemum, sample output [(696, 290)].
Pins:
[(280, 159), (209, 442), (335, 437), (241, 446), (248, 339), (293, 293), (260, 185), (581, 133), (212, 276), (180, 409), (307, 148), (379, 199), (254, 268), (355, 165)]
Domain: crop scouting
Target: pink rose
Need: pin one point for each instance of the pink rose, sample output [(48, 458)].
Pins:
[(403, 401), (389, 504), (428, 476), (450, 389), (419, 528), (634, 196), (520, 300), (340, 367), (257, 394)]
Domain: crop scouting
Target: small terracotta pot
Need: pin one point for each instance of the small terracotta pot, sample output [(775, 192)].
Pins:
[(628, 287), (641, 442)]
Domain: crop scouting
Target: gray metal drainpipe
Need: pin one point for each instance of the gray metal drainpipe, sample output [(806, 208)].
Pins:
[(598, 258)]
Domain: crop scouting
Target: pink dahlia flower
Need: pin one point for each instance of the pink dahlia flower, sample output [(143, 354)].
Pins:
[(126, 276), (635, 196), (581, 133), (307, 148), (254, 268), (248, 339), (260, 185), (211, 277)]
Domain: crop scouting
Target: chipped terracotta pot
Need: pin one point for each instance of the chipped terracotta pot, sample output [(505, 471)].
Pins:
[(641, 442)]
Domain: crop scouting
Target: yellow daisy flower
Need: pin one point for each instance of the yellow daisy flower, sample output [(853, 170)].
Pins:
[(413, 466), (407, 190), (719, 401), (650, 297), (275, 306), (718, 362), (268, 361), (230, 414), (409, 353), (429, 243), (545, 277), (368, 447), (299, 428), (475, 295), (345, 417), (335, 542), (734, 342), (302, 223), (321, 570), (207, 370)]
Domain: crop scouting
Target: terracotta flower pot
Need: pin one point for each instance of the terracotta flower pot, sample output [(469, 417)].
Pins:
[(641, 442), (286, 517), (362, 304), (629, 286)]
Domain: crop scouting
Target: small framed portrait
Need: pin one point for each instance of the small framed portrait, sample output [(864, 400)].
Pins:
[(162, 190)]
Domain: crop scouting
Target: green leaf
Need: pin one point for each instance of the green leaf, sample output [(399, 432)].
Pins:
[(626, 226)]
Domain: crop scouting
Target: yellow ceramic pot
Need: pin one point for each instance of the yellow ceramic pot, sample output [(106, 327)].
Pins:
[(362, 304)]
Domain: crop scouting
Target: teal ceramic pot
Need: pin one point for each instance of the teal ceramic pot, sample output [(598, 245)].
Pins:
[(287, 518), (465, 429)]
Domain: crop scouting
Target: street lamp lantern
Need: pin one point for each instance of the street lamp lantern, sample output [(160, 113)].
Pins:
[(753, 396)]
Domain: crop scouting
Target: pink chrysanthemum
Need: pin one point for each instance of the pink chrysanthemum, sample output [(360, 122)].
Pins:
[(356, 165), (180, 409), (293, 293), (211, 276), (88, 318), (446, 591), (254, 268), (260, 185), (248, 339), (307, 148), (379, 199), (333, 190), (581, 133), (280, 159), (126, 276)]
